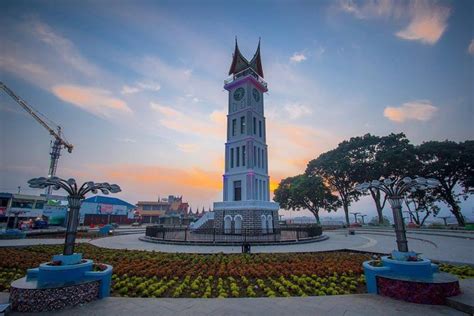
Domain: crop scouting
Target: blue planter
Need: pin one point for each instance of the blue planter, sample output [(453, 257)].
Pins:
[(371, 273), (420, 270), (76, 272)]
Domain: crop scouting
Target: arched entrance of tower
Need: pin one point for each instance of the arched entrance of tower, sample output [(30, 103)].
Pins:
[(227, 224), (264, 224), (238, 224), (270, 223)]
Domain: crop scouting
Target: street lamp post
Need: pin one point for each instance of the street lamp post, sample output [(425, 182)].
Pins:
[(75, 196), (355, 216), (395, 189)]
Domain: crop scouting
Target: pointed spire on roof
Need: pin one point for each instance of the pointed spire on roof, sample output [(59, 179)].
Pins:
[(256, 62), (239, 62)]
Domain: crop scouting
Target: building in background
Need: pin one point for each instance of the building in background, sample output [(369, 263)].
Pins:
[(22, 207), (99, 210), (172, 208)]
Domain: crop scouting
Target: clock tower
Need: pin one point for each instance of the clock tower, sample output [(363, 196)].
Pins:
[(246, 206)]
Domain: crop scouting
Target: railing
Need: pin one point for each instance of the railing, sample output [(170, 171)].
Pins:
[(213, 235), (206, 217), (246, 72)]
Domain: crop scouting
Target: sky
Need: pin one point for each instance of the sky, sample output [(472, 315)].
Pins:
[(137, 86)]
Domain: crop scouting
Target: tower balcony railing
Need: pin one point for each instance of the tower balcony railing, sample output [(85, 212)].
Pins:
[(244, 73)]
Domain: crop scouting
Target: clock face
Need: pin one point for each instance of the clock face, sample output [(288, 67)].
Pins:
[(239, 94), (256, 94)]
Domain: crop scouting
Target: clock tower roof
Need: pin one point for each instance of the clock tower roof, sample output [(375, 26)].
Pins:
[(239, 62)]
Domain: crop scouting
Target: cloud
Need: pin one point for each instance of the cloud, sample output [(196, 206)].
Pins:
[(297, 57), (127, 140), (188, 148), (193, 123), (64, 47), (470, 48), (320, 52), (427, 20), (421, 110), (145, 182), (428, 23), (96, 101), (296, 110), (373, 8), (139, 87)]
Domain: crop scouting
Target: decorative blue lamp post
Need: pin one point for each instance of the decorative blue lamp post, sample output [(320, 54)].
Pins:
[(403, 275), (75, 196), (68, 279), (395, 189)]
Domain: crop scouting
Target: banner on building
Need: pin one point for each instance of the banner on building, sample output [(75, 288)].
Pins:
[(106, 208)]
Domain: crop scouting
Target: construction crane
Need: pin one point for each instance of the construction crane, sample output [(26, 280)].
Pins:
[(59, 141)]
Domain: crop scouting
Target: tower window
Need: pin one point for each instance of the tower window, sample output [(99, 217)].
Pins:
[(255, 126), (264, 189), (234, 127), (254, 156), (256, 189), (232, 157), (238, 157), (242, 124), (260, 128), (237, 190), (243, 155), (258, 164)]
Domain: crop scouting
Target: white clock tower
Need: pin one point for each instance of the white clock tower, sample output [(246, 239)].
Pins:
[(246, 206)]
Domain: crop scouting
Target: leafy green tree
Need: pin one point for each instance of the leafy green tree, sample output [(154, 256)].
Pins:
[(337, 172), (304, 192), (420, 205), (452, 164), (373, 157), (375, 221)]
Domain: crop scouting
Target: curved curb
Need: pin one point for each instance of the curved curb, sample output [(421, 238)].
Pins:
[(233, 244), (408, 237), (450, 234)]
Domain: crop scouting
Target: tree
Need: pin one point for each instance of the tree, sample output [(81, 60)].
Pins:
[(421, 203), (450, 163), (375, 221), (337, 172), (373, 157), (305, 192)]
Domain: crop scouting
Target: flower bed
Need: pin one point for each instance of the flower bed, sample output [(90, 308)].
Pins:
[(152, 274)]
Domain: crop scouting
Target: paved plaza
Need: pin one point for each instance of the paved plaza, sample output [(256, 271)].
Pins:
[(442, 247), (448, 246), (347, 305)]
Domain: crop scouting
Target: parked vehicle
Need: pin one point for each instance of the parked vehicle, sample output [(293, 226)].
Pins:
[(40, 224)]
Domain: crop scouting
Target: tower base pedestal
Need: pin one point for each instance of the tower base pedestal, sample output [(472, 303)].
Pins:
[(246, 217)]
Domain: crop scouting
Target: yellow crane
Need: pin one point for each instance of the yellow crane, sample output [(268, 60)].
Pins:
[(59, 141)]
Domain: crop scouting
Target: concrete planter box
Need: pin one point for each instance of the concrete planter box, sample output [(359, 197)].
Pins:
[(65, 276), (411, 281)]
